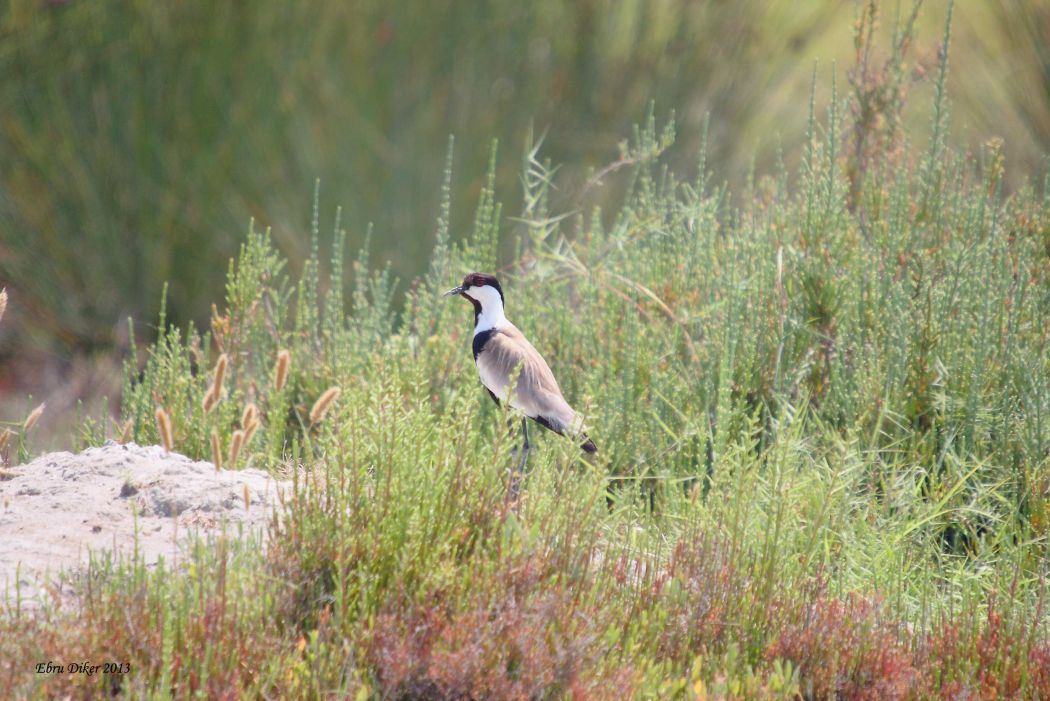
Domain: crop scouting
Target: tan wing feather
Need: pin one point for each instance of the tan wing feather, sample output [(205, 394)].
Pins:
[(536, 392)]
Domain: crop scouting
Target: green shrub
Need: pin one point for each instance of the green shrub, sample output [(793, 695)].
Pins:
[(138, 138)]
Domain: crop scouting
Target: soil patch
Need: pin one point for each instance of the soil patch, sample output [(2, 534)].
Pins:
[(60, 506)]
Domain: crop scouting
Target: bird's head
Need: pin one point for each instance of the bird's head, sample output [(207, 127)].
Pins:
[(481, 289)]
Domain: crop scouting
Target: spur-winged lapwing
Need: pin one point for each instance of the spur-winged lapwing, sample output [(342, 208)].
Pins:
[(501, 352)]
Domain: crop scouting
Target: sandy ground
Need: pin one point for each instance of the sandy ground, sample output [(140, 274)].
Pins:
[(60, 506)]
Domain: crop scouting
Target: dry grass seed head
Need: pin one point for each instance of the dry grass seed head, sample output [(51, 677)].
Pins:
[(249, 416), (164, 429), (33, 417), (235, 446), (125, 431), (250, 431), (216, 450), (214, 394), (323, 404), (249, 421), (280, 371), (209, 401)]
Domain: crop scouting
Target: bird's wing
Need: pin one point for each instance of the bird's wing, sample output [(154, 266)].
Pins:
[(536, 393)]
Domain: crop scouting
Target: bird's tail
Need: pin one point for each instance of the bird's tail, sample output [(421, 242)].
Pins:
[(588, 445)]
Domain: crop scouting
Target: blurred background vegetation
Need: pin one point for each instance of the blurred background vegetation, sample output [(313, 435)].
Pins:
[(139, 138)]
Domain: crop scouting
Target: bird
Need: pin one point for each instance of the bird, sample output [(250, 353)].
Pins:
[(502, 352)]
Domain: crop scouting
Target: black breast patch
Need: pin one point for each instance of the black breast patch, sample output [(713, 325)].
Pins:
[(480, 339)]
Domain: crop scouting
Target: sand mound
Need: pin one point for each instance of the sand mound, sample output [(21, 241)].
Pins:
[(56, 508)]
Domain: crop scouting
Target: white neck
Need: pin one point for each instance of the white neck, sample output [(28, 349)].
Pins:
[(491, 316)]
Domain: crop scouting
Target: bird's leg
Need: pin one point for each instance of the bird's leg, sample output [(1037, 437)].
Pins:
[(524, 444), (518, 471)]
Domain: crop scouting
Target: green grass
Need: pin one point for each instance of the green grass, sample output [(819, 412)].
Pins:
[(822, 410), (139, 138)]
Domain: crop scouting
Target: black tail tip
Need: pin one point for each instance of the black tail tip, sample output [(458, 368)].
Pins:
[(589, 447)]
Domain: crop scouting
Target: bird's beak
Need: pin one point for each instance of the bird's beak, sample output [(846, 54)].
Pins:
[(454, 291)]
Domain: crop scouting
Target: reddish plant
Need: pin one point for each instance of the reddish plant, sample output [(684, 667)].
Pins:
[(522, 636), (1000, 657), (704, 596), (845, 650)]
